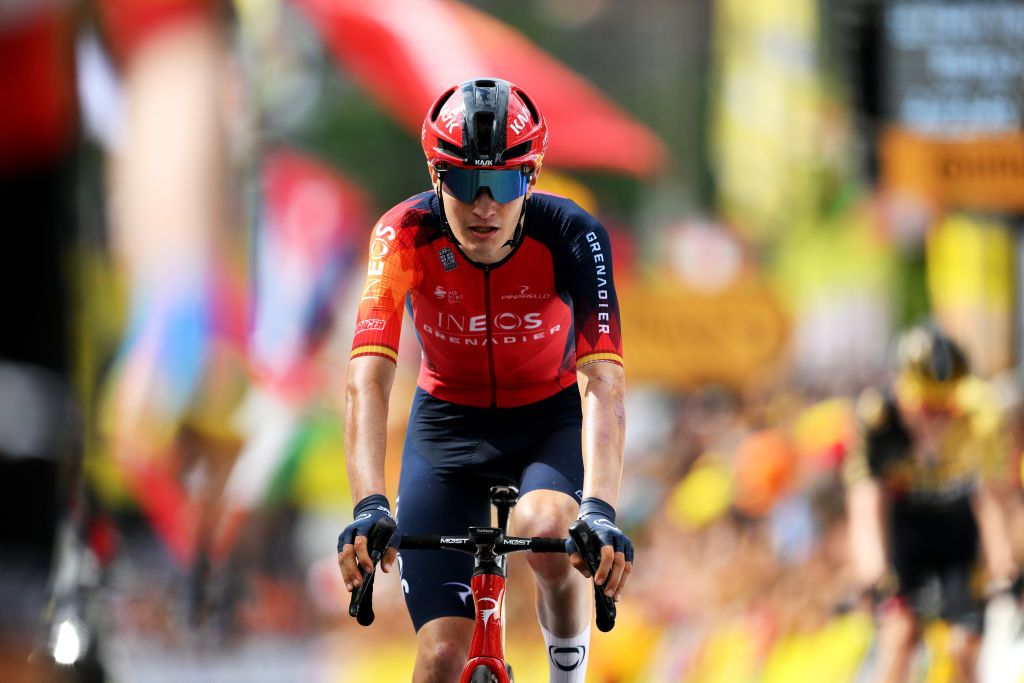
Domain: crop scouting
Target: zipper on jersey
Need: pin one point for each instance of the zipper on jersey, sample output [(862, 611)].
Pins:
[(490, 338)]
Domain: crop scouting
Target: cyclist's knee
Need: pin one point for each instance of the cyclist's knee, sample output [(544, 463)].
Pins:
[(964, 647), (899, 628), (440, 657), (546, 514)]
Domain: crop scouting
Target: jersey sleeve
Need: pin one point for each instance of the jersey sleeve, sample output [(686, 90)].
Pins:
[(390, 274), (871, 416), (592, 289), (989, 439)]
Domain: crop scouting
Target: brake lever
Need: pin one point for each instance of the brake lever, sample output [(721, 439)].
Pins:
[(361, 604), (590, 550)]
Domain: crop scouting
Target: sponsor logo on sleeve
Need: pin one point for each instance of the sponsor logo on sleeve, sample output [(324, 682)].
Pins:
[(601, 280), (370, 325)]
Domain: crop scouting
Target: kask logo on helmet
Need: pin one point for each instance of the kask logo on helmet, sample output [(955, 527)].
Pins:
[(451, 114), (518, 124)]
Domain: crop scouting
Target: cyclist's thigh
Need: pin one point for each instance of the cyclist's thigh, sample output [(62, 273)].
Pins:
[(540, 446), (911, 538), (436, 583), (957, 557), (962, 603), (555, 461)]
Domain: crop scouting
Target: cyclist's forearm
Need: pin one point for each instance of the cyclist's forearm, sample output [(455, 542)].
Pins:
[(995, 536), (867, 537), (602, 386), (366, 415)]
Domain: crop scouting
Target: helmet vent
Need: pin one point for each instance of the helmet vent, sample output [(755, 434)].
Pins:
[(436, 111), (942, 362), (448, 147), (484, 122), (518, 150), (534, 112)]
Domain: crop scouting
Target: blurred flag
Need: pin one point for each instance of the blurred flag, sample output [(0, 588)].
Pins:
[(773, 133), (970, 271), (310, 236), (312, 232), (407, 53)]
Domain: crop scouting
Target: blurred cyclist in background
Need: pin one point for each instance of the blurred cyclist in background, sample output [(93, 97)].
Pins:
[(512, 299), (169, 213), (177, 377), (922, 503)]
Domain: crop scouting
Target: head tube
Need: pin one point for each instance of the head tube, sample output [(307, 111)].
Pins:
[(504, 184)]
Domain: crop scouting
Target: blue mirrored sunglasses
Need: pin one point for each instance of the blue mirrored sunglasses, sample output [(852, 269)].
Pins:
[(504, 184)]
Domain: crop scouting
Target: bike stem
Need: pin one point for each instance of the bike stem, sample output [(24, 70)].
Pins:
[(488, 586)]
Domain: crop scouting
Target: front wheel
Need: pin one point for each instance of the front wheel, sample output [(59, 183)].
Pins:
[(483, 674)]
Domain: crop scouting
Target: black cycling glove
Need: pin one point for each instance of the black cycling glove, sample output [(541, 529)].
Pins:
[(600, 517), (365, 515)]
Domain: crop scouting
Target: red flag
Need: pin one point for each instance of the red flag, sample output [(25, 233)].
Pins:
[(407, 52)]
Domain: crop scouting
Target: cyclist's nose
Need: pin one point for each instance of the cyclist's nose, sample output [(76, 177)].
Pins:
[(484, 205)]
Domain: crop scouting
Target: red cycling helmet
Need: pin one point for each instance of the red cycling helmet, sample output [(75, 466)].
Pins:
[(484, 122)]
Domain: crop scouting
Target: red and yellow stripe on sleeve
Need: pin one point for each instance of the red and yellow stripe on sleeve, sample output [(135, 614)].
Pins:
[(390, 273)]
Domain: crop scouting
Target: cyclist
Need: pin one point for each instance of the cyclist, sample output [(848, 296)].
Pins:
[(512, 299), (921, 499)]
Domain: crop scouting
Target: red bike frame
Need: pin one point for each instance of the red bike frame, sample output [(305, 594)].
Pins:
[(488, 644)]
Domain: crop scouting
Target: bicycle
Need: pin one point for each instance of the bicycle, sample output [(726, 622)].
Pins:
[(489, 546)]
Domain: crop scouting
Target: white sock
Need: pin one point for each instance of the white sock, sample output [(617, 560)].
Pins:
[(567, 657)]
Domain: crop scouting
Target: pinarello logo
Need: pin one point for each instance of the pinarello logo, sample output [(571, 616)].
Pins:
[(525, 293), (372, 324), (439, 292)]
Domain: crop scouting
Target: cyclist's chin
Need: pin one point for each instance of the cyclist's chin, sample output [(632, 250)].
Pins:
[(489, 252)]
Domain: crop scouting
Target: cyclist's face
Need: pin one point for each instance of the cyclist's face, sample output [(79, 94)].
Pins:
[(483, 226), (927, 419)]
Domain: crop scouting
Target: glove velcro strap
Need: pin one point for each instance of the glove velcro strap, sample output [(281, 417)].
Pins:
[(371, 503), (596, 506)]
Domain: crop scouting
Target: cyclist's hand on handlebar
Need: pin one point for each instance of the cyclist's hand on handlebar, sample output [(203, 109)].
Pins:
[(353, 552), (616, 548)]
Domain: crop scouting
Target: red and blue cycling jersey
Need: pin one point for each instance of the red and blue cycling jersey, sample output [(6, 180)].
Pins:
[(500, 335)]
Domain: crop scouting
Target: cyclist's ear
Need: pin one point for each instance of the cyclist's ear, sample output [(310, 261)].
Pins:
[(533, 182)]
